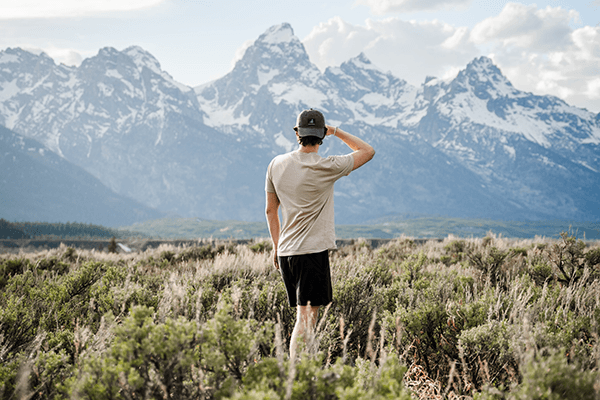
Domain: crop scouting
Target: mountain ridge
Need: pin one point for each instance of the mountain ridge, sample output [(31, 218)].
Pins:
[(38, 185), (471, 146)]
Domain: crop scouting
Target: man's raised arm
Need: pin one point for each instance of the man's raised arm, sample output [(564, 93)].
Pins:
[(363, 152)]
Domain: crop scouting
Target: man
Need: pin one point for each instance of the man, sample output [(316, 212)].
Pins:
[(301, 182)]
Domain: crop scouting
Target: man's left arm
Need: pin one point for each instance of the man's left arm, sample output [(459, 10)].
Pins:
[(272, 212)]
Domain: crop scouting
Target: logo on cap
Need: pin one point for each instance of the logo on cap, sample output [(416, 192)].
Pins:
[(311, 121)]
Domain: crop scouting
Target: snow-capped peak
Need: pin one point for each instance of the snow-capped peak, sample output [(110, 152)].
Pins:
[(275, 51), (19, 55), (142, 58), (108, 52), (361, 61), (481, 73), (482, 63), (277, 43), (282, 33)]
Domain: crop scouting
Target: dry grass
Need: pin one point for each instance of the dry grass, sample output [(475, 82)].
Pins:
[(381, 299)]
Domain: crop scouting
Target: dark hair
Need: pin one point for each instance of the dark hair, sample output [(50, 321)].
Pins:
[(309, 140)]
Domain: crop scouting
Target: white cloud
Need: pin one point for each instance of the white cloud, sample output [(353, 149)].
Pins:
[(67, 8), (410, 50), (239, 53), (65, 56), (336, 41), (381, 7), (538, 49), (527, 27), (539, 52), (593, 89)]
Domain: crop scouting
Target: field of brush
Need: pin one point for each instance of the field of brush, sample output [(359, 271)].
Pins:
[(481, 318)]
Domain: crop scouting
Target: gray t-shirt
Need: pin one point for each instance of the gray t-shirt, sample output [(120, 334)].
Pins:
[(303, 183)]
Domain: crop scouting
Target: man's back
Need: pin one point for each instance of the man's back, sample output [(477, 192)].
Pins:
[(303, 183)]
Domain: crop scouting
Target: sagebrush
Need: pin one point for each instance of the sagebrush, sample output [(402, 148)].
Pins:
[(463, 318)]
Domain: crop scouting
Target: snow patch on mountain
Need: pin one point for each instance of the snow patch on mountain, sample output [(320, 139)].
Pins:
[(467, 107), (6, 58), (510, 151), (298, 94), (265, 77), (216, 116), (282, 141), (113, 73), (8, 90)]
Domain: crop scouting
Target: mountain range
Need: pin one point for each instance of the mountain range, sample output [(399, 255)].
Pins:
[(471, 146), (39, 185)]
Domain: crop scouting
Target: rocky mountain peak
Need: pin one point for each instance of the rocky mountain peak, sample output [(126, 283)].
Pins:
[(278, 49), (358, 76), (17, 61), (142, 58), (485, 79), (361, 61), (276, 56), (16, 55), (360, 64), (282, 33)]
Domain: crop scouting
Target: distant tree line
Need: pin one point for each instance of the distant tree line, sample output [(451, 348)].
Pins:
[(71, 230), (10, 231)]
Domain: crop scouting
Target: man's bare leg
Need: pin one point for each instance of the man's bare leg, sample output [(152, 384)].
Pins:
[(306, 320)]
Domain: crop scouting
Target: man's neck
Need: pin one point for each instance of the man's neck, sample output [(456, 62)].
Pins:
[(309, 149)]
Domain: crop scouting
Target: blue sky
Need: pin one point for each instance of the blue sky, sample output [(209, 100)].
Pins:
[(545, 47)]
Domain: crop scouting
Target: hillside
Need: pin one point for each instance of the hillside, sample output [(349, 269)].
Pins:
[(38, 185)]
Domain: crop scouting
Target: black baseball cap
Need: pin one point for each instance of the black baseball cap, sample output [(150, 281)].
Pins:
[(310, 123)]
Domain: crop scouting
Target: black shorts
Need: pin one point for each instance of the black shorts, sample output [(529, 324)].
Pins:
[(307, 278)]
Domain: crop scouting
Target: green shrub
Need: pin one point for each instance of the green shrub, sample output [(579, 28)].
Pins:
[(592, 258), (541, 273), (49, 372), (52, 264), (489, 261), (167, 256), (455, 251), (411, 269), (487, 353), (310, 380), (396, 250), (145, 360), (262, 247), (8, 375), (70, 255), (567, 256), (426, 326), (19, 313), (229, 347), (12, 267), (554, 378), (198, 253), (355, 300), (378, 383)]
